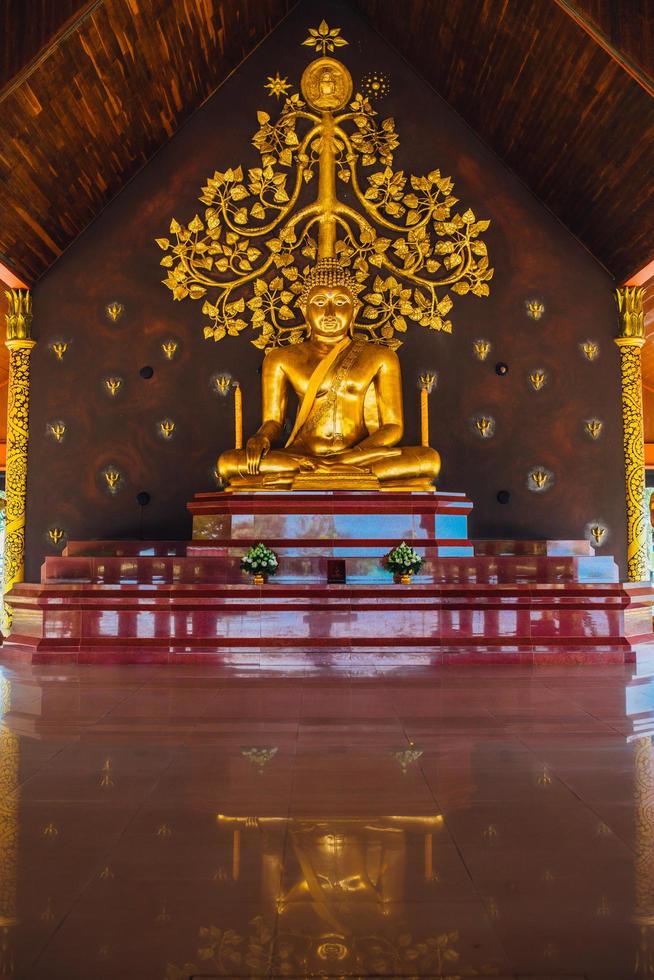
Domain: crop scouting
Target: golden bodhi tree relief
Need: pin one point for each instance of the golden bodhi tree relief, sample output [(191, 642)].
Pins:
[(406, 244)]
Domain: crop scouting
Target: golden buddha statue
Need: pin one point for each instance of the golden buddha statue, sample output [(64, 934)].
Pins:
[(349, 421)]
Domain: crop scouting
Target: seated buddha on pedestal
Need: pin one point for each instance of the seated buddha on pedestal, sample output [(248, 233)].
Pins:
[(349, 421)]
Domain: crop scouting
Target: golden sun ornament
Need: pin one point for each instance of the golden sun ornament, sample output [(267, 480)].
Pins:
[(277, 86), (400, 235)]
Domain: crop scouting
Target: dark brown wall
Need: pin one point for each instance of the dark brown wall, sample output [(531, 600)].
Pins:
[(116, 258)]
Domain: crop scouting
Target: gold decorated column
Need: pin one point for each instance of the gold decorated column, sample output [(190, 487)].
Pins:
[(630, 341), (20, 344), (644, 857)]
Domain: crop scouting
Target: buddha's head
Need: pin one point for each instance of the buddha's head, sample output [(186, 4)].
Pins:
[(329, 302)]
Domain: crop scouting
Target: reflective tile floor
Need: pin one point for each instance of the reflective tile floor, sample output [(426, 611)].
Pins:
[(164, 823)]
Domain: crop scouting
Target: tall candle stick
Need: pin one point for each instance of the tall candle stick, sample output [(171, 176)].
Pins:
[(427, 382), (238, 416)]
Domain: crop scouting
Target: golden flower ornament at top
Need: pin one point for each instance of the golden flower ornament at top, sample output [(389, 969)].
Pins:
[(537, 379), (169, 348), (113, 385), (535, 308), (277, 86), (407, 247), (482, 348), (114, 311), (57, 430), (376, 84), (324, 38), (59, 348), (593, 427), (590, 350)]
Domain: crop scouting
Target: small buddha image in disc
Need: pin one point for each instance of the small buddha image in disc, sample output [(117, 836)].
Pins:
[(326, 85)]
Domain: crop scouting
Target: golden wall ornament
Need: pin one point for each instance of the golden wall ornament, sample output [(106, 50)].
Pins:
[(597, 533), (112, 478), (376, 84), (484, 426), (482, 348), (590, 350), (56, 535), (538, 379), (59, 348), (20, 346), (630, 341), (222, 384), (593, 427), (113, 385), (57, 430), (535, 308), (114, 311), (169, 348), (539, 479), (166, 428), (246, 257)]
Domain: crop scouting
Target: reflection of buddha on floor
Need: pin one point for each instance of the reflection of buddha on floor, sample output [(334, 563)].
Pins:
[(350, 419)]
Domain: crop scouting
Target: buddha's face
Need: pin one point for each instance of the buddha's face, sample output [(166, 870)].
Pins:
[(329, 312)]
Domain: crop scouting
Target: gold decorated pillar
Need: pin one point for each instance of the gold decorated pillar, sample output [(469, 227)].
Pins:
[(20, 344), (630, 341), (9, 766), (644, 859)]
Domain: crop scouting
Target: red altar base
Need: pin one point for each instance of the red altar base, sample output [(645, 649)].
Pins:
[(474, 602)]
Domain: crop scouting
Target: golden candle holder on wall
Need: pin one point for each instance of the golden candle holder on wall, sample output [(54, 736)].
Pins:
[(593, 427), (169, 348), (59, 348), (112, 478), (539, 479), (113, 384), (538, 379), (55, 534), (167, 428), (590, 350), (114, 310), (535, 308), (57, 430), (482, 348), (485, 425)]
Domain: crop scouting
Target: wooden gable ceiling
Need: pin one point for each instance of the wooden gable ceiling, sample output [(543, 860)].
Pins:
[(534, 78), (100, 102), (553, 101)]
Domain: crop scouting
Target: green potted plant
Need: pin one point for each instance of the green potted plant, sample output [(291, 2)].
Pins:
[(404, 562), (259, 561)]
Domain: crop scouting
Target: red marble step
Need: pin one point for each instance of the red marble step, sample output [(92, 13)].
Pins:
[(136, 622), (221, 564)]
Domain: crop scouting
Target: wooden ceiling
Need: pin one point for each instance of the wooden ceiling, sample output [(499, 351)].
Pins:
[(552, 101), (103, 98), (562, 91)]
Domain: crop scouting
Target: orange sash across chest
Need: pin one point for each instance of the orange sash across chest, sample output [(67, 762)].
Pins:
[(317, 377)]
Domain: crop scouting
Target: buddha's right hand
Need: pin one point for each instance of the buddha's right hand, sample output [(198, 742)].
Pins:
[(255, 449)]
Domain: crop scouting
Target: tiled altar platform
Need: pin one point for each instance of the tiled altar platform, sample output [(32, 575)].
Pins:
[(474, 602)]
